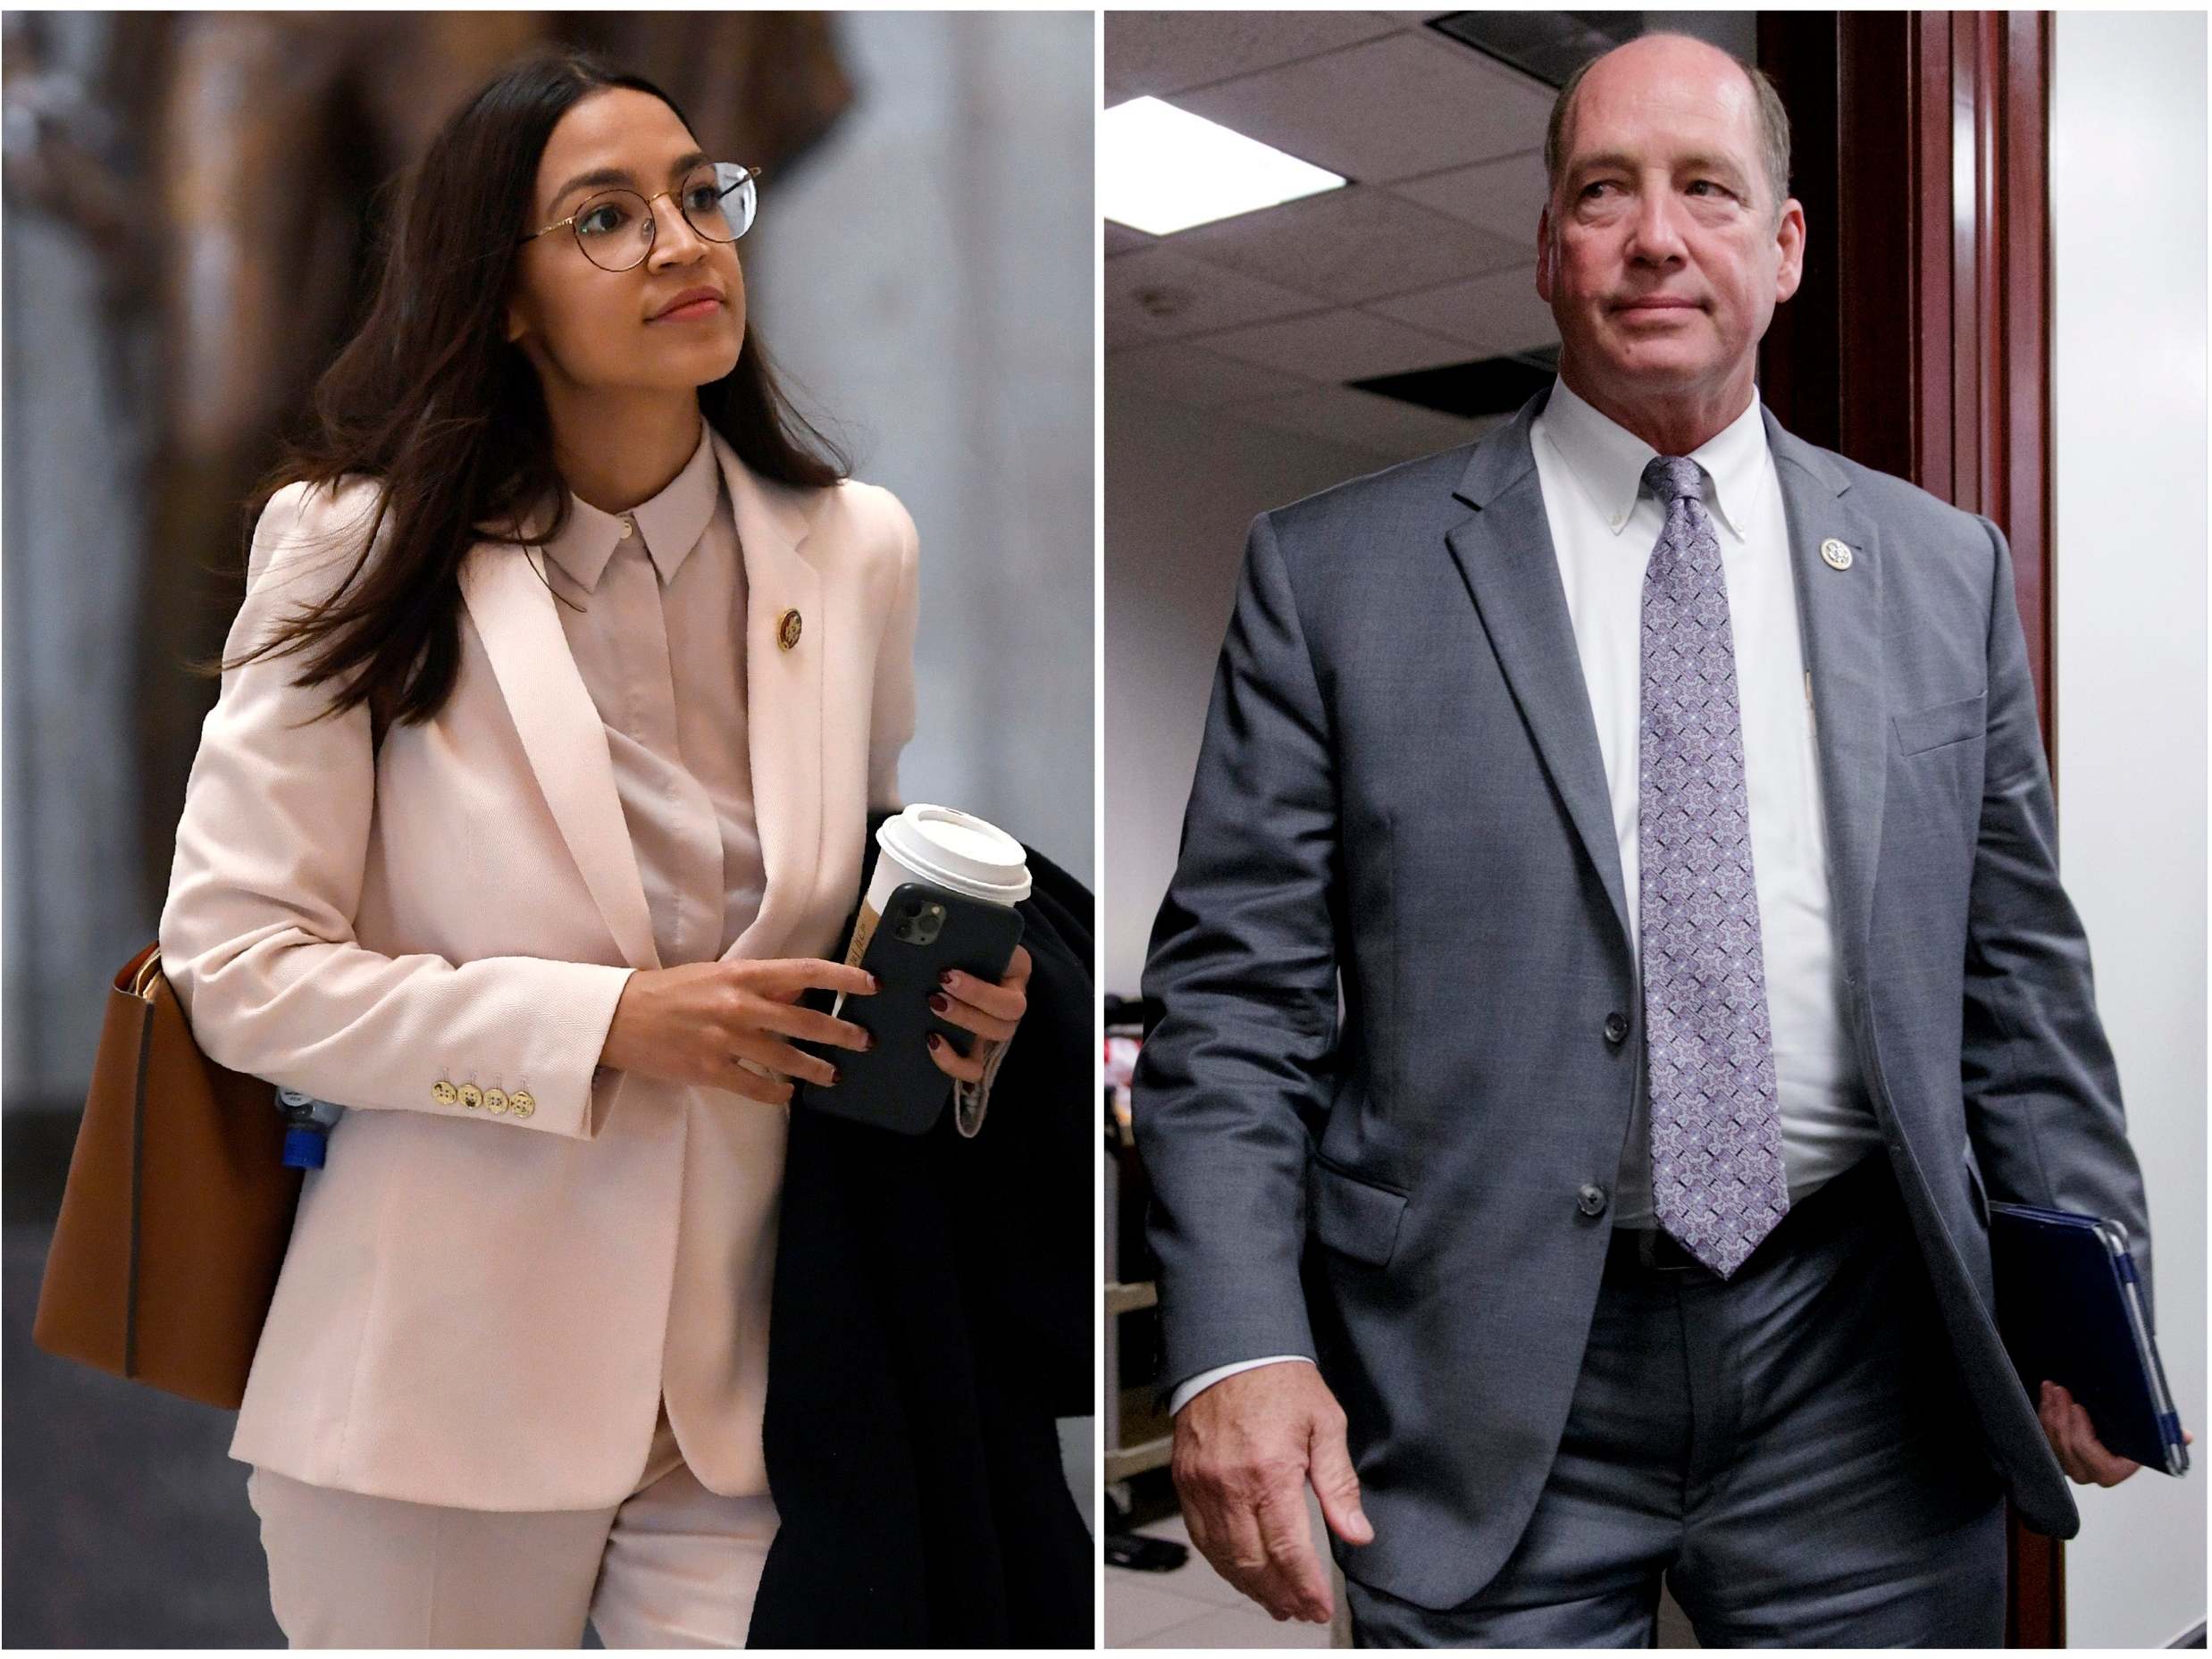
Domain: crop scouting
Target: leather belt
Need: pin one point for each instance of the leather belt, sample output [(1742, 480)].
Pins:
[(1850, 1199)]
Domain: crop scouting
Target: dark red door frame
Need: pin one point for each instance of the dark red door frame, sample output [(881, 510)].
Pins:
[(1919, 341)]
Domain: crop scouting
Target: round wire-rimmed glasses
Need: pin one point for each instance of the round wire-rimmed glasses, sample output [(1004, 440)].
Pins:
[(616, 228)]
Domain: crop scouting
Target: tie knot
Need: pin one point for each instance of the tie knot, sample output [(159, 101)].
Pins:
[(1670, 477)]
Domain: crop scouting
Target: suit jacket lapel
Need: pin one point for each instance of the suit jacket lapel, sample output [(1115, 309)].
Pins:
[(1504, 553), (509, 601), (506, 591), (783, 698), (1842, 616)]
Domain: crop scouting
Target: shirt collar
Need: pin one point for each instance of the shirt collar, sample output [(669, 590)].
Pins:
[(1609, 460), (671, 522)]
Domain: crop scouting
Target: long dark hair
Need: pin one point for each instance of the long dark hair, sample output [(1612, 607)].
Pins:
[(431, 400)]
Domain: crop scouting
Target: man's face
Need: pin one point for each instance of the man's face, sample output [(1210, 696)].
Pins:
[(1659, 254)]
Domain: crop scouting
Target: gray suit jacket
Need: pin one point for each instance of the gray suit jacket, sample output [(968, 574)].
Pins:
[(1400, 785)]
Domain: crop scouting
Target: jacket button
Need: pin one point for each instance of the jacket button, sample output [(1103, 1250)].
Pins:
[(1616, 1027), (495, 1101), (521, 1104), (444, 1093), (1591, 1200), (472, 1096)]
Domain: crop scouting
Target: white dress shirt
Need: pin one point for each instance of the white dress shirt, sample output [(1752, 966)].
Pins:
[(1604, 525)]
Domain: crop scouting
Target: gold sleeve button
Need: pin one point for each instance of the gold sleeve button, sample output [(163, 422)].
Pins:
[(521, 1104), (472, 1096), (495, 1101), (444, 1093)]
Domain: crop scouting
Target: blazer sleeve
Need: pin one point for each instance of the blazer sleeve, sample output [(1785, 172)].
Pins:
[(2042, 1093), (891, 716), (1243, 963), (256, 934)]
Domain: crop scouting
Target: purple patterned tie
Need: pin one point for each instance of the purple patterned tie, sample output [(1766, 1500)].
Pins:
[(1717, 1181)]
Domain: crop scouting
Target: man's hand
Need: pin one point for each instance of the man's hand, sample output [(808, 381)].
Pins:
[(2066, 1422), (1245, 1450)]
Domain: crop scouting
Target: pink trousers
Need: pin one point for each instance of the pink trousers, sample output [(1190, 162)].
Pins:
[(672, 1565)]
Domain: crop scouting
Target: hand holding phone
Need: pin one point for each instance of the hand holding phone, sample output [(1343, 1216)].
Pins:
[(923, 930)]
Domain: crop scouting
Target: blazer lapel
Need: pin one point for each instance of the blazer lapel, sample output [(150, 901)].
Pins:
[(1505, 553), (783, 699), (1841, 614), (508, 598)]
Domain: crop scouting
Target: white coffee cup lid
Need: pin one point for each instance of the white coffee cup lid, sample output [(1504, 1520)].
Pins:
[(959, 850)]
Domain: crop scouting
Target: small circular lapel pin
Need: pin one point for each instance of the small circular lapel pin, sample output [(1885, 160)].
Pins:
[(1836, 554), (787, 628)]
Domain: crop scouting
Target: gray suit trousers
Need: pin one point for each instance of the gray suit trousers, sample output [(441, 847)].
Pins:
[(1791, 1448)]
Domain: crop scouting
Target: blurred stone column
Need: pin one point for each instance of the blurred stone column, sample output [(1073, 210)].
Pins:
[(78, 377)]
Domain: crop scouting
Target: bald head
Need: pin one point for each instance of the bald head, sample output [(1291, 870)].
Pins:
[(1682, 63)]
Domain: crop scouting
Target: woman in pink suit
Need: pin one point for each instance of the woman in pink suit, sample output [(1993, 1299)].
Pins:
[(525, 862)]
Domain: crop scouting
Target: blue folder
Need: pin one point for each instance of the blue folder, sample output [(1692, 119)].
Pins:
[(2070, 1307)]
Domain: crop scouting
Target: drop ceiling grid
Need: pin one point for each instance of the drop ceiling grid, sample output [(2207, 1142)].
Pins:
[(1426, 259)]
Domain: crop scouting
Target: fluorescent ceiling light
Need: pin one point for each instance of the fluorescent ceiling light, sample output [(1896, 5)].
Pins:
[(1168, 169)]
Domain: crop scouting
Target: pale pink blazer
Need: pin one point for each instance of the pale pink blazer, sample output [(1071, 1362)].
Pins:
[(481, 1309)]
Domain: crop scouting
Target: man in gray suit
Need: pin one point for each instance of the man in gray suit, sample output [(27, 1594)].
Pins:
[(1664, 798)]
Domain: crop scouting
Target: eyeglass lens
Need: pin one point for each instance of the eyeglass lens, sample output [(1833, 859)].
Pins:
[(616, 228)]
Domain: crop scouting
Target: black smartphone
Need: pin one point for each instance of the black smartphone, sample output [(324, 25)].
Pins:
[(924, 931)]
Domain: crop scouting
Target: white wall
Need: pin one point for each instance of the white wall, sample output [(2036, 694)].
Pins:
[(1182, 488), (2128, 215)]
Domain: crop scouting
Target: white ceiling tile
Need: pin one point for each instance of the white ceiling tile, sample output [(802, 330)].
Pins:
[(1183, 372), (1160, 294), (1383, 426), (1349, 245), (1408, 103), (1506, 197), (1495, 314), (1161, 52), (1338, 346)]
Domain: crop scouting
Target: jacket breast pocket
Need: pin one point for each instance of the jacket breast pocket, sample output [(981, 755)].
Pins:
[(1353, 1216), (1938, 724)]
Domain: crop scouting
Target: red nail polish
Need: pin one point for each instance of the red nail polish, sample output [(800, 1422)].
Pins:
[(946, 979), (935, 1042), (937, 1001)]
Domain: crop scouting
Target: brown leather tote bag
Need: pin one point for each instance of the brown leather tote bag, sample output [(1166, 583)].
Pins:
[(178, 1209)]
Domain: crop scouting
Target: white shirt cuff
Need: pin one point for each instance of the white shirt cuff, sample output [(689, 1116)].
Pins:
[(1191, 1387)]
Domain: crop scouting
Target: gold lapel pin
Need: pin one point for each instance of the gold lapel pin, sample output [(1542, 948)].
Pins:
[(787, 628), (1838, 555)]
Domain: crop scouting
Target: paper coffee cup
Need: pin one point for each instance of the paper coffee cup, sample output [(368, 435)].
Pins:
[(946, 848)]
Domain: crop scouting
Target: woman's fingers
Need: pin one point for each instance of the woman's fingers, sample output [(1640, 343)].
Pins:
[(966, 1067), (968, 1016), (1003, 1001), (814, 1026), (753, 1086), (782, 1056), (787, 977)]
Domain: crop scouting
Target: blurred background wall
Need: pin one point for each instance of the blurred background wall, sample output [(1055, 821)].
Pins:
[(2127, 145), (186, 199)]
